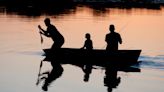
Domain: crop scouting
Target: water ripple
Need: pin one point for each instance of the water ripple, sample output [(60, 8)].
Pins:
[(156, 62)]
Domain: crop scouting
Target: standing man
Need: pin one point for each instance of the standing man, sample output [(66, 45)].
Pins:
[(112, 39), (53, 33)]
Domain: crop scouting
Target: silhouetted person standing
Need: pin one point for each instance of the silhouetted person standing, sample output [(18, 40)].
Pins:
[(53, 33), (113, 39), (88, 42)]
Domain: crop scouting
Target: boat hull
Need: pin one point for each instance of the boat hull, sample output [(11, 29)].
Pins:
[(94, 57)]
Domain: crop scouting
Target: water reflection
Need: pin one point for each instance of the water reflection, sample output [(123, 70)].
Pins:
[(111, 79), (87, 69), (50, 76)]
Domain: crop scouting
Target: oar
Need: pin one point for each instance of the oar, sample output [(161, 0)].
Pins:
[(41, 63), (41, 38)]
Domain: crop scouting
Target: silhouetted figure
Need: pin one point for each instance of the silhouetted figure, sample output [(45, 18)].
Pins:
[(53, 33), (113, 39), (111, 80), (88, 42), (87, 69), (55, 73)]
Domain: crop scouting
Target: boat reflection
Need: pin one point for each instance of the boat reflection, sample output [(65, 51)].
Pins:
[(111, 78)]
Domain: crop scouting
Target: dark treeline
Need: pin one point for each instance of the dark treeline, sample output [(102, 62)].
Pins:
[(36, 3), (55, 7), (45, 3), (12, 2), (37, 7)]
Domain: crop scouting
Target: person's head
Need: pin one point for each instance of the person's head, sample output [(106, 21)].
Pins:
[(47, 21), (111, 28), (87, 35)]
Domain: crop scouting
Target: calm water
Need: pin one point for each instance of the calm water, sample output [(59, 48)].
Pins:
[(21, 50)]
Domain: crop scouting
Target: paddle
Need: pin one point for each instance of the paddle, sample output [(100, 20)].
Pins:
[(41, 63), (41, 38)]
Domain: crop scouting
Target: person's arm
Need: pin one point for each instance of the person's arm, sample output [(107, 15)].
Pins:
[(91, 44), (120, 39), (106, 38), (42, 31), (84, 45)]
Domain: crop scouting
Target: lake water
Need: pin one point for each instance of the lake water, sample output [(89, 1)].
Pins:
[(21, 50)]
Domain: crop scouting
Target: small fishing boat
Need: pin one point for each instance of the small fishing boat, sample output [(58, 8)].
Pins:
[(95, 57)]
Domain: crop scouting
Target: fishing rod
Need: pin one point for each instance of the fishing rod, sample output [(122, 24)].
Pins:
[(122, 28)]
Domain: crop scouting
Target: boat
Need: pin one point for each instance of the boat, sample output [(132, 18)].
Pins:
[(99, 57)]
